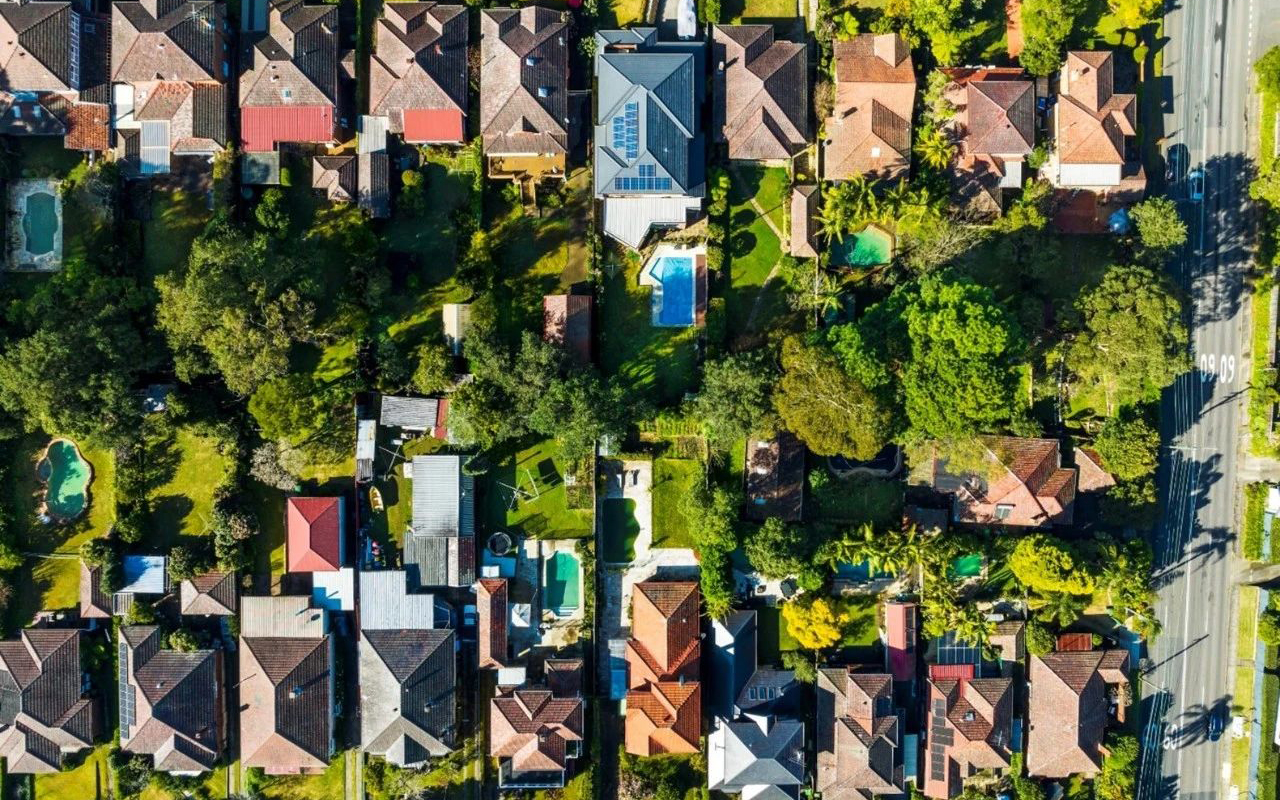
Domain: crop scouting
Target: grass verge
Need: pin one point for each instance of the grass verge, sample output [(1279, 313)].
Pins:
[(1255, 500)]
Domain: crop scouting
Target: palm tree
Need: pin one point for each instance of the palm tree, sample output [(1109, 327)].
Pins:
[(844, 206), (934, 148), (972, 626), (1062, 608), (824, 300)]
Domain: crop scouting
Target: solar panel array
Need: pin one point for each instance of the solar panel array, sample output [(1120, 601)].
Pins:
[(626, 131), (642, 184), (940, 738), (128, 707)]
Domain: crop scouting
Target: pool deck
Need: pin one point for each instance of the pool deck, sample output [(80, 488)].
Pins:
[(18, 257), (558, 631)]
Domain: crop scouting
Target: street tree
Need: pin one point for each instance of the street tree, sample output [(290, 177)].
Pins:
[(1128, 444), (1160, 230)]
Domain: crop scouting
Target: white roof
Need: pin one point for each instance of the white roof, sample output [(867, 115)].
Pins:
[(373, 135), (284, 616), (511, 676), (145, 575), (385, 603), (334, 590), (366, 439), (628, 219)]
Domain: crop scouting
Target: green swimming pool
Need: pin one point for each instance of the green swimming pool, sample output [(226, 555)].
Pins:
[(969, 566), (67, 476), (40, 223), (561, 588), (869, 247)]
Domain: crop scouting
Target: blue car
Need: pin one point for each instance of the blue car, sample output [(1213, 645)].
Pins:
[(1217, 723), (1195, 185)]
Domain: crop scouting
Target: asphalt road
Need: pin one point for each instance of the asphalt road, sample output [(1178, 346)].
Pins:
[(1210, 117)]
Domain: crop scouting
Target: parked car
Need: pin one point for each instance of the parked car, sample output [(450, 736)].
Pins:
[(1217, 723), (1195, 185)]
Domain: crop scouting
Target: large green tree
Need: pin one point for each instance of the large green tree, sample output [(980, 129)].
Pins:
[(776, 549), (1160, 230), (832, 412), (1128, 444), (735, 400), (1048, 566), (1046, 27), (1134, 342)]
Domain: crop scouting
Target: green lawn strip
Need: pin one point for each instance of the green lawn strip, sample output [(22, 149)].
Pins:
[(89, 780), (659, 363), (328, 785), (177, 217), (862, 629), (753, 248), (182, 505), (1242, 692), (1263, 379), (621, 13), (267, 504), (859, 500), (1266, 137), (619, 528), (1268, 755), (737, 11), (672, 480), (541, 505), (1255, 501)]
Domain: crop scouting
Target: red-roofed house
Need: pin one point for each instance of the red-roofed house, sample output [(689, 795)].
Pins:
[(491, 622), (1091, 122), (316, 528), (418, 71), (901, 622), (1070, 704), (261, 127), (664, 704), (1024, 484), (566, 321), (970, 727)]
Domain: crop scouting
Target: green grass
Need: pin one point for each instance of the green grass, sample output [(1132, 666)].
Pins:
[(772, 637), (182, 503), (268, 546), (327, 786), (90, 780), (1242, 694), (621, 13), (545, 254), (862, 629), (1263, 378), (52, 583), (177, 217), (1255, 501), (397, 492), (859, 500), (737, 12), (1268, 756), (548, 515), (1267, 141), (753, 248), (215, 782), (657, 363), (672, 480), (619, 529)]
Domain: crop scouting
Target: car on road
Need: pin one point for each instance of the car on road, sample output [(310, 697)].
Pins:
[(1217, 723), (1195, 185)]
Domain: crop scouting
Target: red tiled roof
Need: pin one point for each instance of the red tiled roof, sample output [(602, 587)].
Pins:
[(491, 619), (1075, 642), (314, 534), (432, 125), (88, 127), (262, 127)]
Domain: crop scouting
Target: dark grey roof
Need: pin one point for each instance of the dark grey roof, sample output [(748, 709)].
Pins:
[(209, 112), (179, 688), (315, 47), (733, 660), (302, 710), (41, 676), (191, 25), (751, 756), (43, 31), (421, 662), (660, 85), (410, 413), (375, 184)]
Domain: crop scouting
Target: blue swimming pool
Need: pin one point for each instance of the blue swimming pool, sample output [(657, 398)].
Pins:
[(675, 298)]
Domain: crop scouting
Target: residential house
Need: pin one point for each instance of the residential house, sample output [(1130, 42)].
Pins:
[(53, 73), (141, 576), (566, 322), (650, 151), (1092, 124), (290, 91), (172, 706), (408, 679), (756, 746), (170, 63), (524, 92), (803, 241), (869, 130), (664, 697), (441, 546), (286, 685), (536, 732), (45, 715), (316, 533), (995, 122), (860, 747), (362, 178), (774, 478), (415, 415), (1024, 484), (212, 594), (491, 623), (1072, 696), (1094, 477), (760, 95), (418, 71), (969, 727)]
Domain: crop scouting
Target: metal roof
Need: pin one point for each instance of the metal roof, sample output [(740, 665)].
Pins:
[(409, 413), (373, 135), (385, 603), (145, 575)]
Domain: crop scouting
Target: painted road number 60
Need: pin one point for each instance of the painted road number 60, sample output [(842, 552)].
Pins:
[(1223, 367)]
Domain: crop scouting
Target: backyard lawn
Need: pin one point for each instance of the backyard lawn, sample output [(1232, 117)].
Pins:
[(755, 248), (859, 500), (177, 217), (189, 469), (659, 363), (536, 474), (326, 786), (215, 782), (50, 583), (739, 11), (774, 639), (621, 13), (672, 480), (88, 781)]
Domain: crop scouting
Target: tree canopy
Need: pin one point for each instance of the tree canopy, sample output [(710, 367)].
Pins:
[(1047, 566), (1160, 230), (831, 412), (736, 397), (1129, 444), (1134, 342), (1046, 27), (816, 622), (776, 549)]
